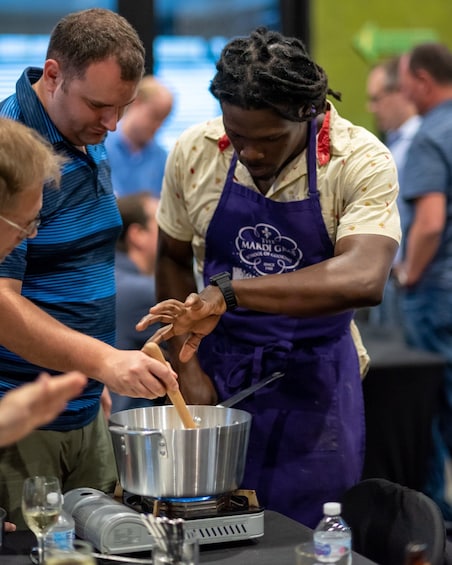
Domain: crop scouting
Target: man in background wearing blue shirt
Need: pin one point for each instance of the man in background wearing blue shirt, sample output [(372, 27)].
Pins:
[(397, 119), (425, 273), (136, 158)]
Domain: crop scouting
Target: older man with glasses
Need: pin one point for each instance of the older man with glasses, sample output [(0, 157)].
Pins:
[(29, 230), (26, 161), (397, 121)]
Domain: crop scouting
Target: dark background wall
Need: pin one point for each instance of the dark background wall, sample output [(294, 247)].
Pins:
[(140, 13)]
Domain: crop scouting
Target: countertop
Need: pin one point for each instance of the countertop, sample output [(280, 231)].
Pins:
[(281, 535)]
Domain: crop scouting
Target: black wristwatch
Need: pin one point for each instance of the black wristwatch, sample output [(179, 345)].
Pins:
[(223, 282)]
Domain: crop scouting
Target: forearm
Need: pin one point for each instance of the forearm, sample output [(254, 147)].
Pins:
[(424, 237), (421, 248), (31, 333), (174, 280), (354, 278), (312, 291)]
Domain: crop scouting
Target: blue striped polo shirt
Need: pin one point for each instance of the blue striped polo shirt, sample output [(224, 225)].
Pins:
[(68, 268)]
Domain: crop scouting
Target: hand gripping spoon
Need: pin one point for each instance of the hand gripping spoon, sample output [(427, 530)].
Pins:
[(153, 350)]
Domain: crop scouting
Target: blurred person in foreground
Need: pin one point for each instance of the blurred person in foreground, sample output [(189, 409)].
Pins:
[(425, 271), (26, 162), (397, 120), (290, 211), (136, 252), (137, 160), (57, 290)]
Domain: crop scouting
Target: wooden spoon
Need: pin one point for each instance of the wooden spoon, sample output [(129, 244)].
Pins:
[(153, 350)]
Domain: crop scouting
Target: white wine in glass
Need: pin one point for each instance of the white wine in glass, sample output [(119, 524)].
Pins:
[(41, 506)]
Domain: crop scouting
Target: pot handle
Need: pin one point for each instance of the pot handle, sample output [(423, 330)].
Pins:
[(122, 430)]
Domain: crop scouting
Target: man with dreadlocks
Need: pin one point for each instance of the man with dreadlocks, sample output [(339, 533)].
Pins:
[(291, 230)]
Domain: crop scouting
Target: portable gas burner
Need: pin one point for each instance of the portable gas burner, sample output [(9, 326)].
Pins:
[(115, 527), (215, 519)]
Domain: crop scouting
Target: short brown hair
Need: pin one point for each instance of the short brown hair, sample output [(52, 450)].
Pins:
[(435, 58), (90, 36), (391, 69), (132, 210)]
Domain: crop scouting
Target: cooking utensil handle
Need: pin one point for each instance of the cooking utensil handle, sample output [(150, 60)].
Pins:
[(249, 390), (153, 350)]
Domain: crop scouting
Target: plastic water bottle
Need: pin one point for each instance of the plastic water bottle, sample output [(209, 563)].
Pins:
[(416, 554), (332, 537), (62, 533)]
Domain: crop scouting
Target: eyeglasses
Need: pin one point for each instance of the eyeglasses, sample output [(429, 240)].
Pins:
[(28, 230), (376, 98)]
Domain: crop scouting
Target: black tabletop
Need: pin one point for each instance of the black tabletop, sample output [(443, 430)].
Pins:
[(281, 535)]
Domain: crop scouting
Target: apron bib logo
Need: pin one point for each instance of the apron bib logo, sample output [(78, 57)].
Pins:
[(266, 251)]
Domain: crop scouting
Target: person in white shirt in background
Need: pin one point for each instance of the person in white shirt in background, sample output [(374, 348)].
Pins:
[(397, 121)]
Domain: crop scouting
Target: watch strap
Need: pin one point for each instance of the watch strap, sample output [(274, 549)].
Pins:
[(223, 282)]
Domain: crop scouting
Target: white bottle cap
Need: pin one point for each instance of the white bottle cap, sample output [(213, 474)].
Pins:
[(53, 498), (332, 508)]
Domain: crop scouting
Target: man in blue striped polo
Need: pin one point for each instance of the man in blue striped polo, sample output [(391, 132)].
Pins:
[(57, 291)]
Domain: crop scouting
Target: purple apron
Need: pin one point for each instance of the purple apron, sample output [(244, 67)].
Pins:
[(307, 434)]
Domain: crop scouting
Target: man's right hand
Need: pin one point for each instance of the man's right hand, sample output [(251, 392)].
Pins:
[(135, 374)]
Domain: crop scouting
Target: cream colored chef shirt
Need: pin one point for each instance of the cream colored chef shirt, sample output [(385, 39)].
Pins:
[(358, 186)]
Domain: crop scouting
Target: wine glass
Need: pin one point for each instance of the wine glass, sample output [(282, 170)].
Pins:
[(41, 506)]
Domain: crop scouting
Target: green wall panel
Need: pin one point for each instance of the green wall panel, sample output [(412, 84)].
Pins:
[(335, 25)]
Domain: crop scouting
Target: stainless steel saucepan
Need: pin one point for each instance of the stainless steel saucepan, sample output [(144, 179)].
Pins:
[(157, 456)]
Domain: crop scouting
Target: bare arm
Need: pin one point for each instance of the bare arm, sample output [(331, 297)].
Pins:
[(423, 238), (354, 277), (106, 402), (40, 339), (35, 404), (175, 279), (174, 268)]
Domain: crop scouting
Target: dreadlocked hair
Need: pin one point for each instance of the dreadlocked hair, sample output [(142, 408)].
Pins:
[(269, 70)]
